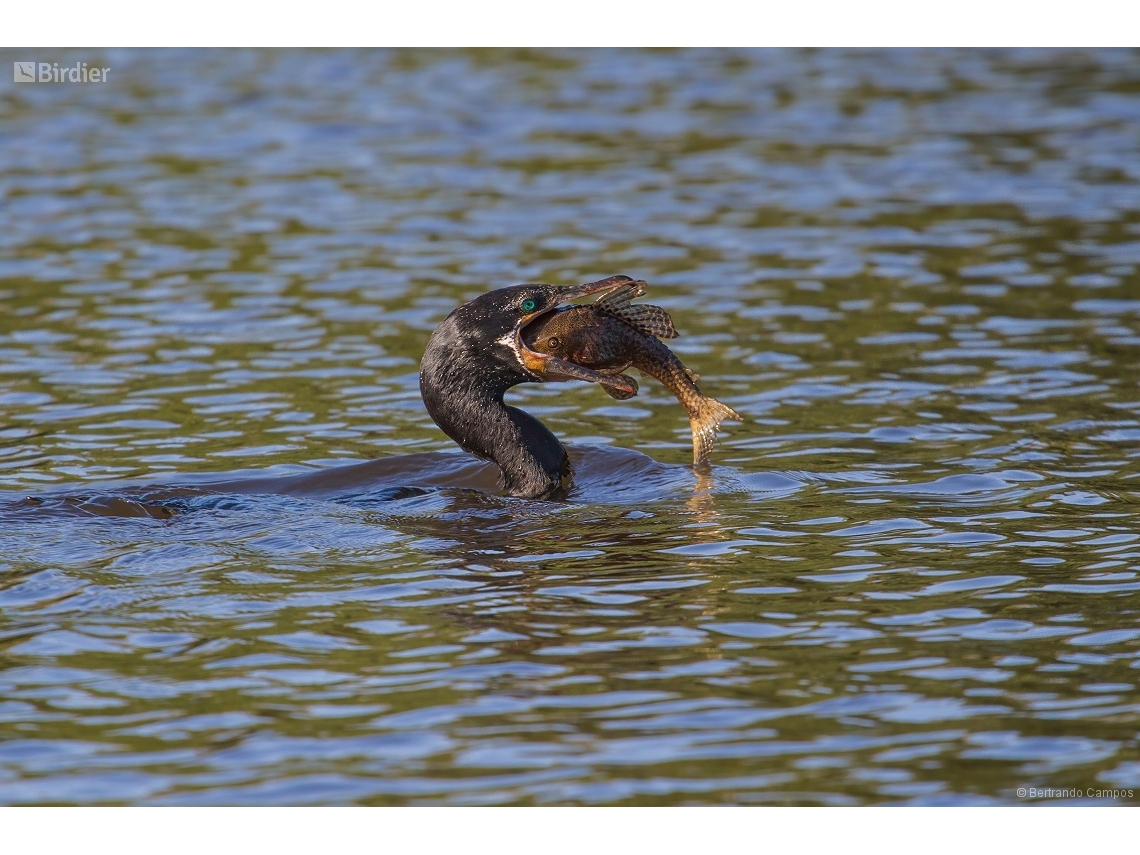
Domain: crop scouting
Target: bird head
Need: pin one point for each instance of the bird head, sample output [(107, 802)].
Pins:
[(492, 324)]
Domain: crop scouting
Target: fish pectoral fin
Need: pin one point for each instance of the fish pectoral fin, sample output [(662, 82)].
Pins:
[(646, 319), (621, 394), (559, 369), (693, 375)]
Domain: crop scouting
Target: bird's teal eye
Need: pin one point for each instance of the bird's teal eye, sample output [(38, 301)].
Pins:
[(528, 305)]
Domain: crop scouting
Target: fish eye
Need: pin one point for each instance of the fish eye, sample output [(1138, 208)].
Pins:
[(528, 305), (554, 342)]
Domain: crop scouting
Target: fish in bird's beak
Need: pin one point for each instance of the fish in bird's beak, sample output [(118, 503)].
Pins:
[(550, 368)]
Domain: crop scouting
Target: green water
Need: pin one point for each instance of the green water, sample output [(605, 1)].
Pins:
[(911, 577)]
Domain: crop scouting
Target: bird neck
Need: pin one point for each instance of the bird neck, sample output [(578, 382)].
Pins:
[(469, 408)]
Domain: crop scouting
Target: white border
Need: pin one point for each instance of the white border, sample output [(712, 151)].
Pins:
[(600, 23), (566, 831)]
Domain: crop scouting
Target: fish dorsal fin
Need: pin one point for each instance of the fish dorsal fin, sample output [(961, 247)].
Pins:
[(650, 320)]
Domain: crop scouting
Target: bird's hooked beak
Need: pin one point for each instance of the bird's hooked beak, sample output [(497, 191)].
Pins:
[(550, 368)]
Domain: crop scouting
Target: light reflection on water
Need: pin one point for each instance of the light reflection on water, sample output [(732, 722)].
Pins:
[(911, 576)]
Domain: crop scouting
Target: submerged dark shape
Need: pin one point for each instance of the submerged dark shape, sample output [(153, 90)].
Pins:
[(477, 354), (614, 334)]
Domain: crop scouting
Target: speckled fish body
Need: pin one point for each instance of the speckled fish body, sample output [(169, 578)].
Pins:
[(613, 335)]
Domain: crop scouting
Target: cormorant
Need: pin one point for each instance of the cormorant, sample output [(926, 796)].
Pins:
[(477, 354)]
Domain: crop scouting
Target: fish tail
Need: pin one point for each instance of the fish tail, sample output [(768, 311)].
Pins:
[(705, 419)]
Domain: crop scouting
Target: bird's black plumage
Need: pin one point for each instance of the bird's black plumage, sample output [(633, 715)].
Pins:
[(475, 356)]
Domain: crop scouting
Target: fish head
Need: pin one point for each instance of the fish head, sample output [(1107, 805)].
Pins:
[(555, 333), (541, 303)]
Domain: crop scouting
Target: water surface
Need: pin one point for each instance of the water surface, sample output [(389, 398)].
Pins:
[(252, 570)]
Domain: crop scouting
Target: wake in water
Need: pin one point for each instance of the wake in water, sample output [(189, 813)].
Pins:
[(602, 475)]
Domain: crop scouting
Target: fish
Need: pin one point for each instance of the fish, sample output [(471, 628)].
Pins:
[(614, 334)]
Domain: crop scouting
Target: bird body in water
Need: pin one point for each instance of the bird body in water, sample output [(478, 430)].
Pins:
[(614, 334), (477, 354), (522, 334)]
